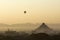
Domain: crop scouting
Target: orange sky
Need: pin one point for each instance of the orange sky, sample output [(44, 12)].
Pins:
[(38, 11)]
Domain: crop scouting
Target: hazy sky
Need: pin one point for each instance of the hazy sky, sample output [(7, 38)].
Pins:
[(38, 11)]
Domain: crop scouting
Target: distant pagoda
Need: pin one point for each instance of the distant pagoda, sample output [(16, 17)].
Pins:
[(44, 29)]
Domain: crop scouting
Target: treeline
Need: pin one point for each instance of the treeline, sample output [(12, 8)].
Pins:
[(12, 35)]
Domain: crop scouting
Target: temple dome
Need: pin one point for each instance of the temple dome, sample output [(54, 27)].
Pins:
[(43, 28)]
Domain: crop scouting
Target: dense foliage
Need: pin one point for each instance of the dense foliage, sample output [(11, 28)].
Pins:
[(24, 36)]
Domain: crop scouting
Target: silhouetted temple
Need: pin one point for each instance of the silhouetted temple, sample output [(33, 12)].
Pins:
[(43, 28)]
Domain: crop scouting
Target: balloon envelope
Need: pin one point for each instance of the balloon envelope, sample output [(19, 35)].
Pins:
[(24, 11)]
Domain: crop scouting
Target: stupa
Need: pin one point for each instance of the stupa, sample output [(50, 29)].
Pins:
[(43, 28)]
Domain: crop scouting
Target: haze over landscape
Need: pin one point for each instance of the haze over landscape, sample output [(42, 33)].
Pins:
[(29, 19), (38, 11)]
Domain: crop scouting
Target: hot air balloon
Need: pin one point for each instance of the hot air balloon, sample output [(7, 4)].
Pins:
[(24, 12)]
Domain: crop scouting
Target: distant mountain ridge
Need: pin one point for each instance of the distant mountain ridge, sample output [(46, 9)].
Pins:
[(26, 24)]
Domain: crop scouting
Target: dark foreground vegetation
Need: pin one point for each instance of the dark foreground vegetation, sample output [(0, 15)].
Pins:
[(12, 35)]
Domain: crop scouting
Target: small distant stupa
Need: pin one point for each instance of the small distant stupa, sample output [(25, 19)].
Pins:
[(44, 29)]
